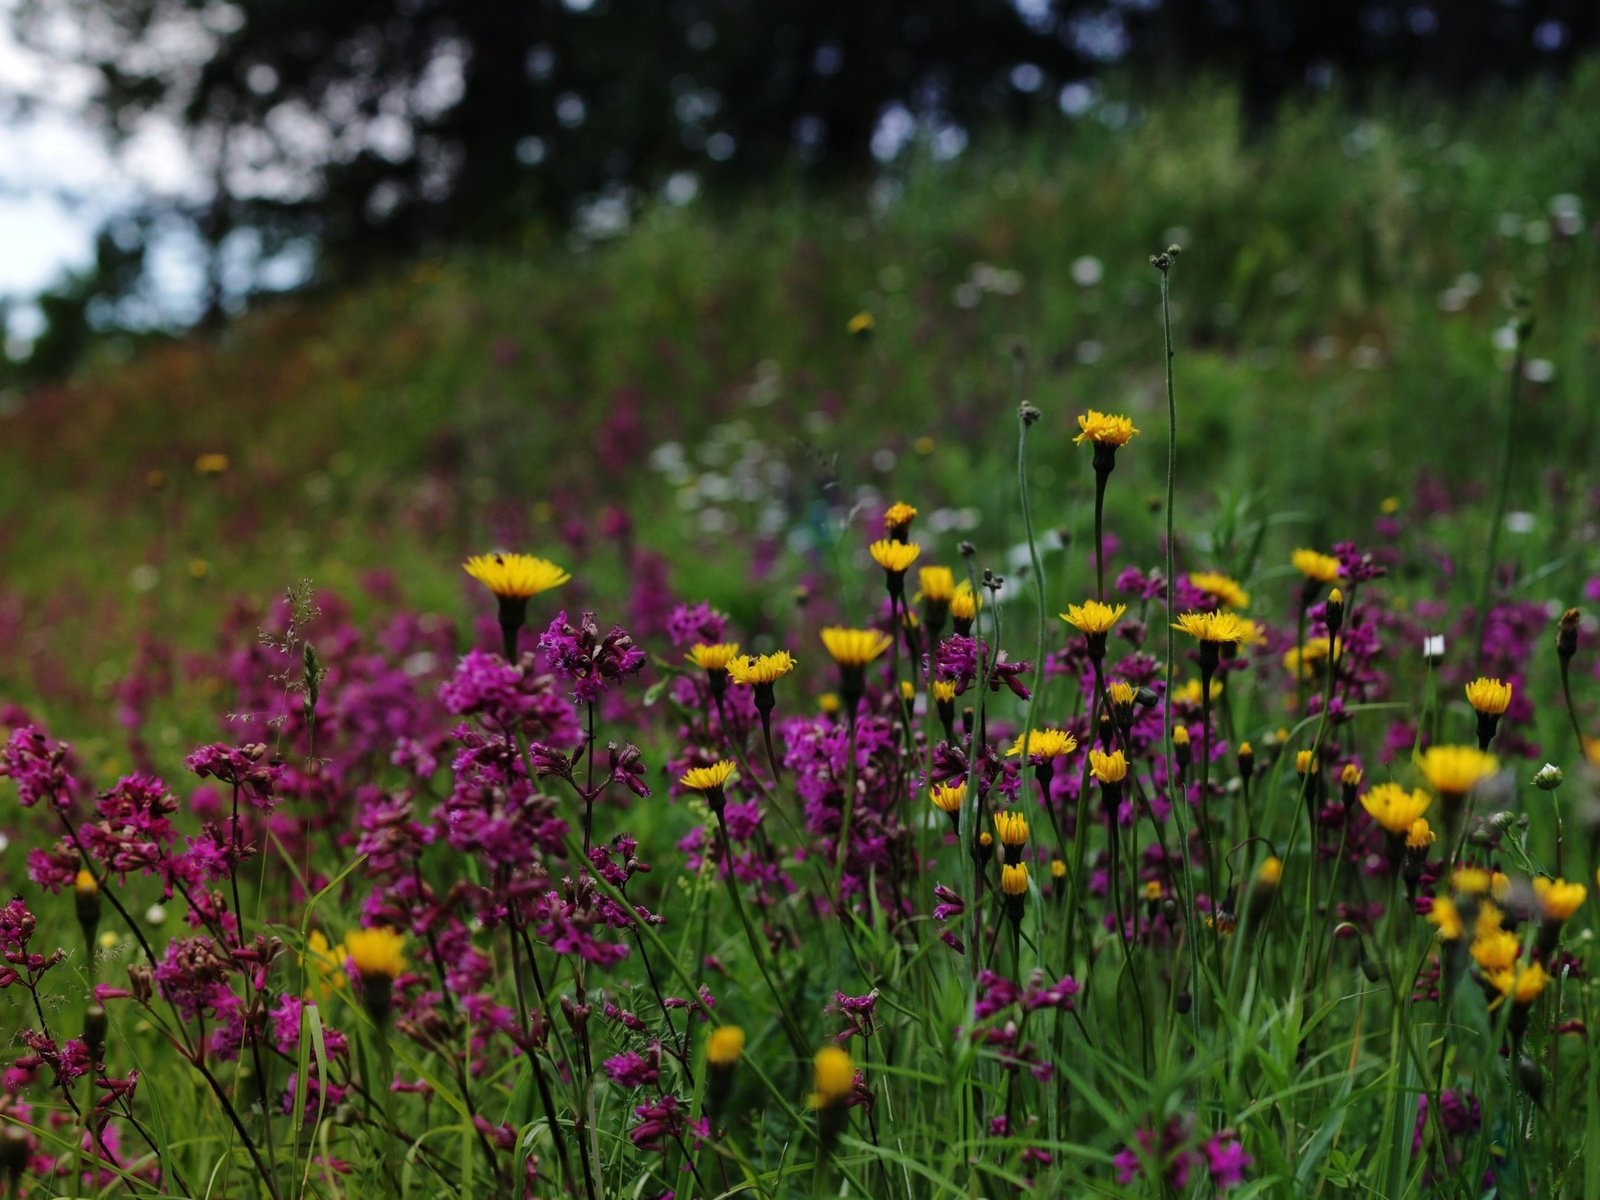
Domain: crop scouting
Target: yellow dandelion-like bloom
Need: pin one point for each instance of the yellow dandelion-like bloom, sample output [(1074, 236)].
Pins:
[(1470, 881), (1495, 951), (894, 557), (1093, 617), (1558, 899), (1108, 768), (1180, 737), (1306, 661), (1152, 890), (1455, 770), (1489, 919), (708, 779), (1522, 985), (1121, 693), (769, 668), (1395, 808), (1011, 828), (515, 576), (211, 464), (1014, 879), (1104, 429), (1446, 918), (948, 798), (944, 690), (1270, 872), (1189, 693), (986, 839), (1350, 776), (713, 657), (85, 884), (964, 603), (855, 647), (833, 1078), (828, 703), (908, 690), (327, 966), (375, 952), (1227, 591), (938, 584), (1058, 869), (1218, 627), (1317, 567), (1305, 762), (1490, 697), (724, 1046), (1420, 836), (899, 515), (861, 323), (1045, 744)]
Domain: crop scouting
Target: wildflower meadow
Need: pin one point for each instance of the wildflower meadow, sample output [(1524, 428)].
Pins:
[(1122, 840)]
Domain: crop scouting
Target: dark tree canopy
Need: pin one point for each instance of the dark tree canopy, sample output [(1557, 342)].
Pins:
[(369, 128)]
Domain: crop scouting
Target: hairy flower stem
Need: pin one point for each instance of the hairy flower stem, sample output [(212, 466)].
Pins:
[(1101, 476), (1163, 264), (1524, 326), (1026, 416), (543, 1084)]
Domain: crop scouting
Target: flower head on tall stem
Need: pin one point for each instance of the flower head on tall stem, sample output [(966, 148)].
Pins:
[(853, 650), (714, 660), (1223, 589), (895, 558), (937, 587), (897, 520), (1489, 699), (1318, 569), (964, 605), (376, 958), (710, 782), (514, 579), (1094, 620)]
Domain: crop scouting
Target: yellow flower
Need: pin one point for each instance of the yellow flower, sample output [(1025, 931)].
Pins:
[(211, 464), (713, 657), (1180, 737), (1227, 591), (1420, 836), (1455, 770), (1044, 744), (769, 668), (1489, 696), (944, 690), (1104, 429), (964, 603), (708, 779), (908, 690), (375, 952), (1305, 762), (1189, 693), (899, 515), (860, 324), (1446, 918), (1559, 899), (1214, 627), (855, 647), (85, 884), (1318, 568), (894, 557), (1350, 776), (1523, 985), (1058, 869), (938, 584), (1394, 808), (1495, 951), (1093, 617), (326, 963), (1121, 693), (1011, 828), (828, 703), (1389, 506), (1014, 879), (1152, 890), (515, 576), (1470, 881), (833, 1077), (725, 1046), (948, 798), (1108, 768), (1307, 660)]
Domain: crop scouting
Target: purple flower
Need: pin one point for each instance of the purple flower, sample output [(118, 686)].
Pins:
[(589, 662), (630, 1070)]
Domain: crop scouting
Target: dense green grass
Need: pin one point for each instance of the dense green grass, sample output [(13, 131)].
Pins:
[(1331, 349)]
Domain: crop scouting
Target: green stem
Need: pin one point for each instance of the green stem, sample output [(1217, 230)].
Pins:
[(1507, 435)]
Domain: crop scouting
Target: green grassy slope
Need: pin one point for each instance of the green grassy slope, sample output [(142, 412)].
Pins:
[(1337, 301)]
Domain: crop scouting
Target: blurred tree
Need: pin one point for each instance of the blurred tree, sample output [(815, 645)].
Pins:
[(365, 129)]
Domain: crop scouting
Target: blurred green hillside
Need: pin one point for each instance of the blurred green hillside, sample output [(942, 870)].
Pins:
[(1340, 306)]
